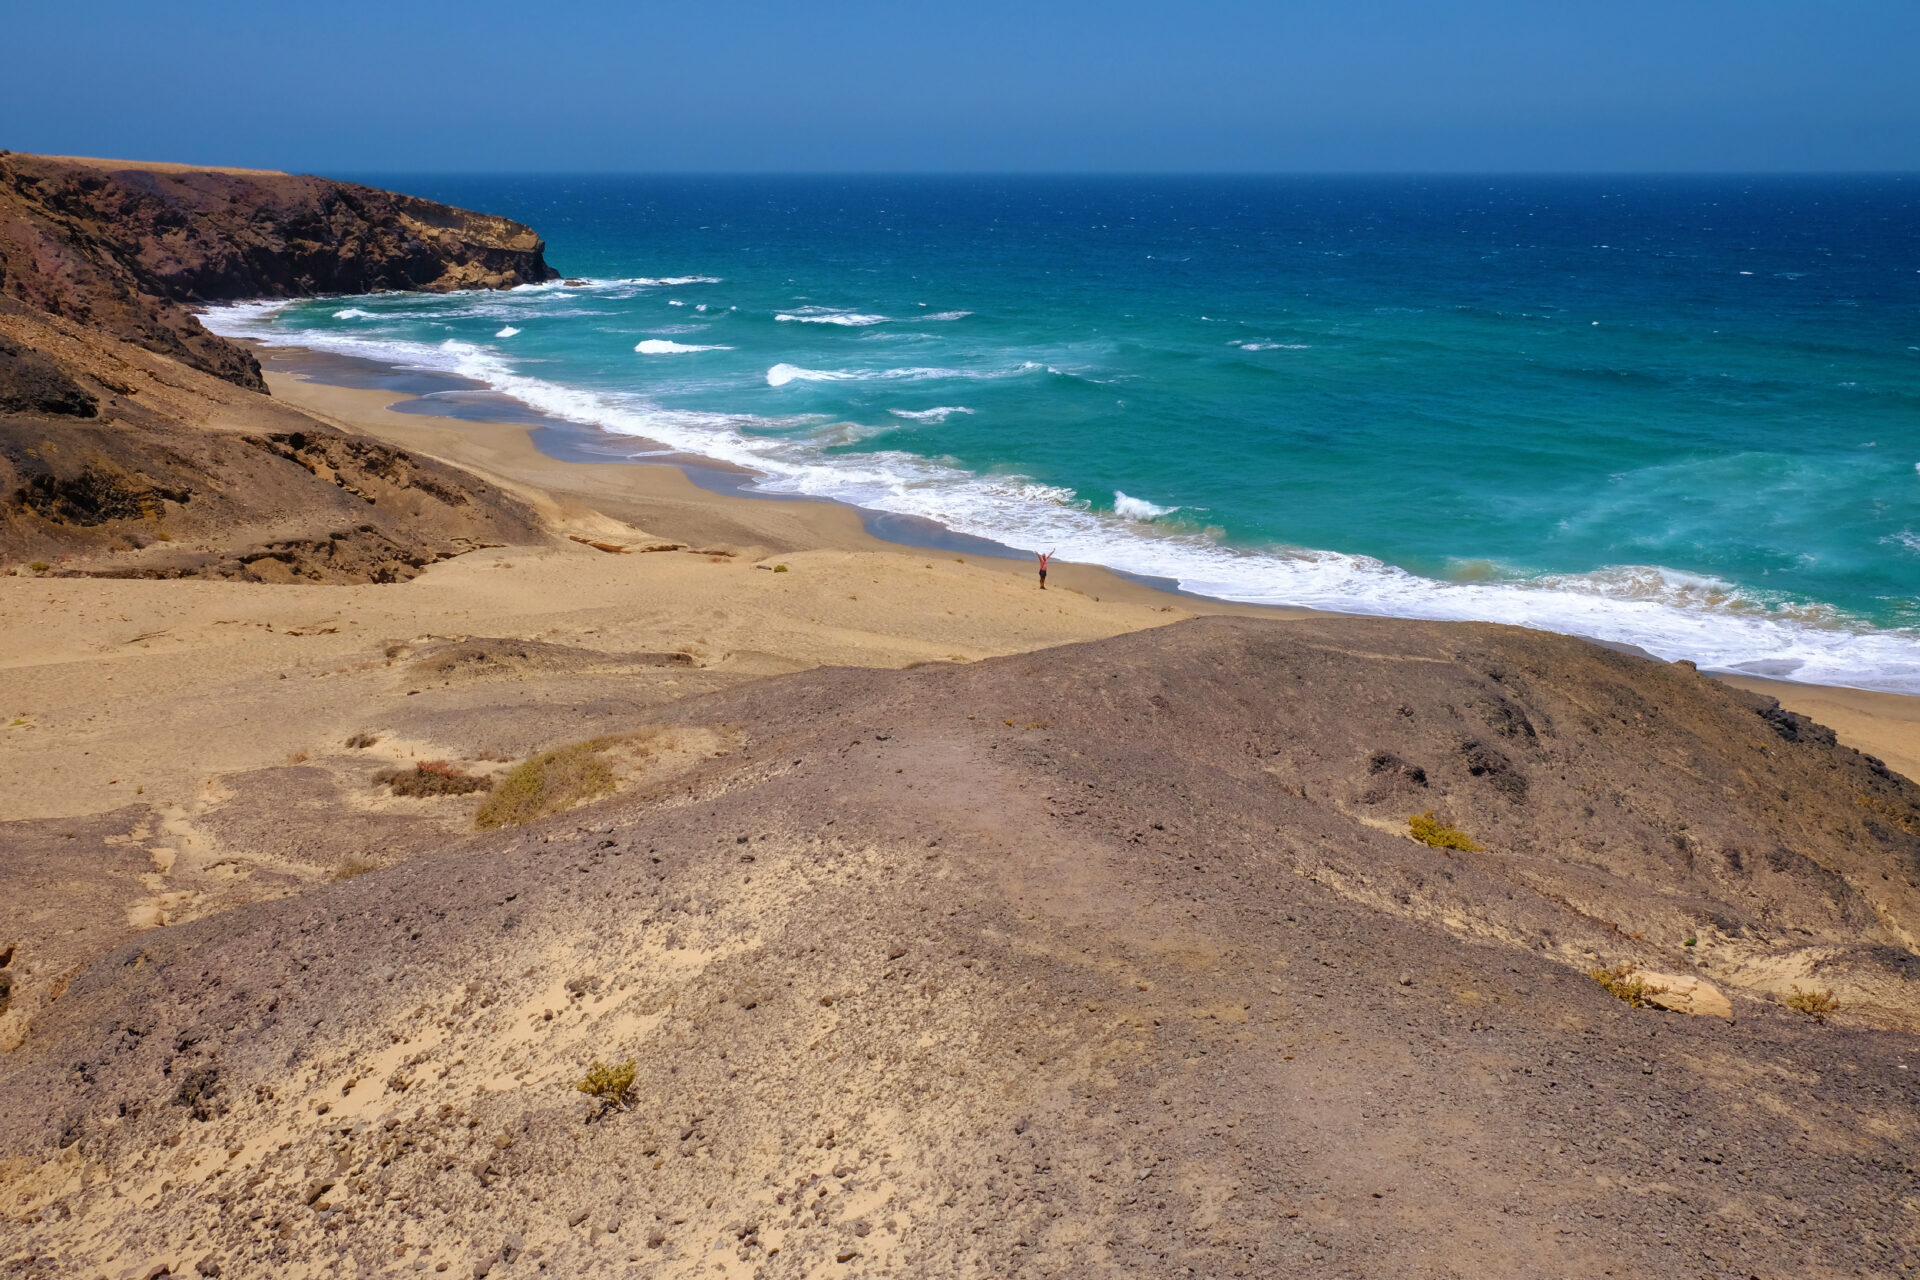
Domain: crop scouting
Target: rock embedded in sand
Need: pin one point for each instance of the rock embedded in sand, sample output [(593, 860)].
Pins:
[(1681, 994)]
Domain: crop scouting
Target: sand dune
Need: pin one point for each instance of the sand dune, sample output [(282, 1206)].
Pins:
[(1107, 959)]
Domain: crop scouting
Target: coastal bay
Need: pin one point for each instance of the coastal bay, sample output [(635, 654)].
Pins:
[(442, 837)]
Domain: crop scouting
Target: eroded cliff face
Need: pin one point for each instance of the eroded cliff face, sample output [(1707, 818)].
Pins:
[(127, 249), (119, 462), (120, 456)]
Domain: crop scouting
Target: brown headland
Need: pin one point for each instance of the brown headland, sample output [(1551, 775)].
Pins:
[(422, 855)]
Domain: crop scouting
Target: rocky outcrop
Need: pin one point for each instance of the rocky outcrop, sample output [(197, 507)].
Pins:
[(128, 249), (120, 456), (31, 383), (116, 462)]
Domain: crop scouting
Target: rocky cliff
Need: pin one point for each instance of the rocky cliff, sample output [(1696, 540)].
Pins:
[(128, 248), (119, 462)]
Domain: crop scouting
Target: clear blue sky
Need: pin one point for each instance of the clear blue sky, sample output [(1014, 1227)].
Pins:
[(1046, 85)]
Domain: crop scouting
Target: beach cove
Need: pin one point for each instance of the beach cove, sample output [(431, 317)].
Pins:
[(450, 826)]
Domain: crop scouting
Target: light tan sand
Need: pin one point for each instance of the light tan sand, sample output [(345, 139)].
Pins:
[(1885, 725)]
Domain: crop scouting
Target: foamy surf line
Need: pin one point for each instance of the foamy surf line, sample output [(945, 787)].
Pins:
[(1669, 614)]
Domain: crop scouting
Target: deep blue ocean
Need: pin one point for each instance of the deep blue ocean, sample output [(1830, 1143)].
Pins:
[(1681, 413)]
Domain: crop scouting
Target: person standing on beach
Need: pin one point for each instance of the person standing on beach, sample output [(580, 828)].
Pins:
[(1044, 556)]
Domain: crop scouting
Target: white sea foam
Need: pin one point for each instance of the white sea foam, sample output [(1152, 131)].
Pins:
[(1138, 508), (940, 414), (830, 315), (1272, 346), (593, 284), (661, 347), (947, 315), (1672, 615), (781, 374), (506, 331), (500, 306), (353, 313)]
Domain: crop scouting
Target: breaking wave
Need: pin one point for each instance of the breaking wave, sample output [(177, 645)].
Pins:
[(781, 374), (661, 347), (1138, 508), (830, 315)]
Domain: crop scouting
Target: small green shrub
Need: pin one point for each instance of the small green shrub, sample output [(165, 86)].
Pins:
[(39, 566), (432, 778), (548, 783), (1620, 983), (1815, 1004), (609, 1084), (1428, 829), (354, 865)]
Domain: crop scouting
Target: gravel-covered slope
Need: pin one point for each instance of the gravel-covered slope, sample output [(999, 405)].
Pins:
[(1104, 960)]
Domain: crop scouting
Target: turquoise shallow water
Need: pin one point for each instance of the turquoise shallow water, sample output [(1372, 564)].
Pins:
[(1678, 413)]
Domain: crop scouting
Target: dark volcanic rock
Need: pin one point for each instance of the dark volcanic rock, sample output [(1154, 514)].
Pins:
[(127, 249), (31, 383)]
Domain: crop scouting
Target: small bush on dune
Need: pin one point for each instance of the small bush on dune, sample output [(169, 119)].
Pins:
[(354, 866), (1815, 1004), (432, 778), (548, 783), (1620, 983), (1428, 829), (609, 1084)]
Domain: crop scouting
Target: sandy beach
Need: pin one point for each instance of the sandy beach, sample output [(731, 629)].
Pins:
[(118, 688), (661, 499), (122, 688)]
